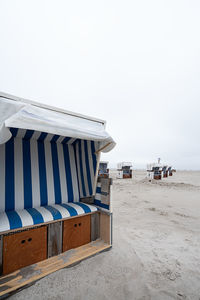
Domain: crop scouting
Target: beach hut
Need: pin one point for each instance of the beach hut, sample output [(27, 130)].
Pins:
[(53, 213), (170, 171), (103, 169), (154, 171), (164, 171), (150, 172), (124, 170)]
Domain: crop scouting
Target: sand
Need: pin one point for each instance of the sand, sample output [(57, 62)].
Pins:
[(156, 250)]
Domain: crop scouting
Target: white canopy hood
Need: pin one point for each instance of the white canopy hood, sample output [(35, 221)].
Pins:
[(20, 113)]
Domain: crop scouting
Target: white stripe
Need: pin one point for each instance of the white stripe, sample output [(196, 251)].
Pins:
[(49, 172), (36, 135), (63, 183), (84, 168), (64, 212), (4, 222), (60, 139), (21, 133), (73, 173), (19, 178), (98, 196), (49, 137), (79, 174), (25, 217), (79, 209), (71, 141), (2, 178), (90, 163), (47, 216), (91, 207), (35, 173)]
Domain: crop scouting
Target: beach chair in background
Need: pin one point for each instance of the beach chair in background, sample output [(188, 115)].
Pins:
[(154, 171), (103, 169), (165, 171), (53, 213), (124, 170), (170, 171)]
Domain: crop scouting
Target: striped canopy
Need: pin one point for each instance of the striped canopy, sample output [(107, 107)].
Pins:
[(48, 162), (40, 169)]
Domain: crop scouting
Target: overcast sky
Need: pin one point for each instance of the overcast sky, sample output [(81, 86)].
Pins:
[(135, 64)]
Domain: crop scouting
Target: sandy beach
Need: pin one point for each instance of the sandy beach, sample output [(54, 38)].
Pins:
[(156, 242)]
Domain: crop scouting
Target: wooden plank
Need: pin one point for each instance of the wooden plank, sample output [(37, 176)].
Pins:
[(24, 248), (28, 275), (54, 239), (76, 232), (102, 148), (105, 228), (95, 226)]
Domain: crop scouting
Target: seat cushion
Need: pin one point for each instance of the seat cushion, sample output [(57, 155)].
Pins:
[(33, 216)]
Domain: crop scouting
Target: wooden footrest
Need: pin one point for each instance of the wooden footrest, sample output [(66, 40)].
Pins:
[(28, 275)]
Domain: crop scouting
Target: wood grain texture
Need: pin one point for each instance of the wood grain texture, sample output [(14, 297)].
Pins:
[(105, 228), (76, 232), (24, 248), (54, 239), (95, 226), (28, 275)]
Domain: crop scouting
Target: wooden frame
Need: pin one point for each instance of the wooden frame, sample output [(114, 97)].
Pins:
[(101, 240)]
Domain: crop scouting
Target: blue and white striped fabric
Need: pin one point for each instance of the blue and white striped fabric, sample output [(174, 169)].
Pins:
[(98, 200), (33, 216), (86, 166), (39, 169)]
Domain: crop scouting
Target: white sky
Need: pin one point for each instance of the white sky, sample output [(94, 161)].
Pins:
[(135, 64)]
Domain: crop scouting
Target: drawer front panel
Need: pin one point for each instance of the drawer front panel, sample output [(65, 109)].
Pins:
[(24, 248), (76, 232)]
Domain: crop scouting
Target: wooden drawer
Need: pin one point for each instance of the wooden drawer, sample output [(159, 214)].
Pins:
[(76, 232), (24, 248)]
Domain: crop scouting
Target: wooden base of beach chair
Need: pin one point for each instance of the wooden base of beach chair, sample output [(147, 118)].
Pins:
[(28, 275), (31, 254), (157, 177)]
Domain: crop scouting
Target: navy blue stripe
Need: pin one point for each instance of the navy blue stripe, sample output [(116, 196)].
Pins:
[(9, 176), (74, 149), (29, 134), (81, 168), (84, 207), (27, 174), (36, 215), (66, 140), (74, 142), (68, 173), (55, 138), (94, 159), (42, 174), (98, 203), (70, 209), (14, 220), (42, 136), (55, 213), (56, 174), (14, 131), (88, 168), (98, 190)]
